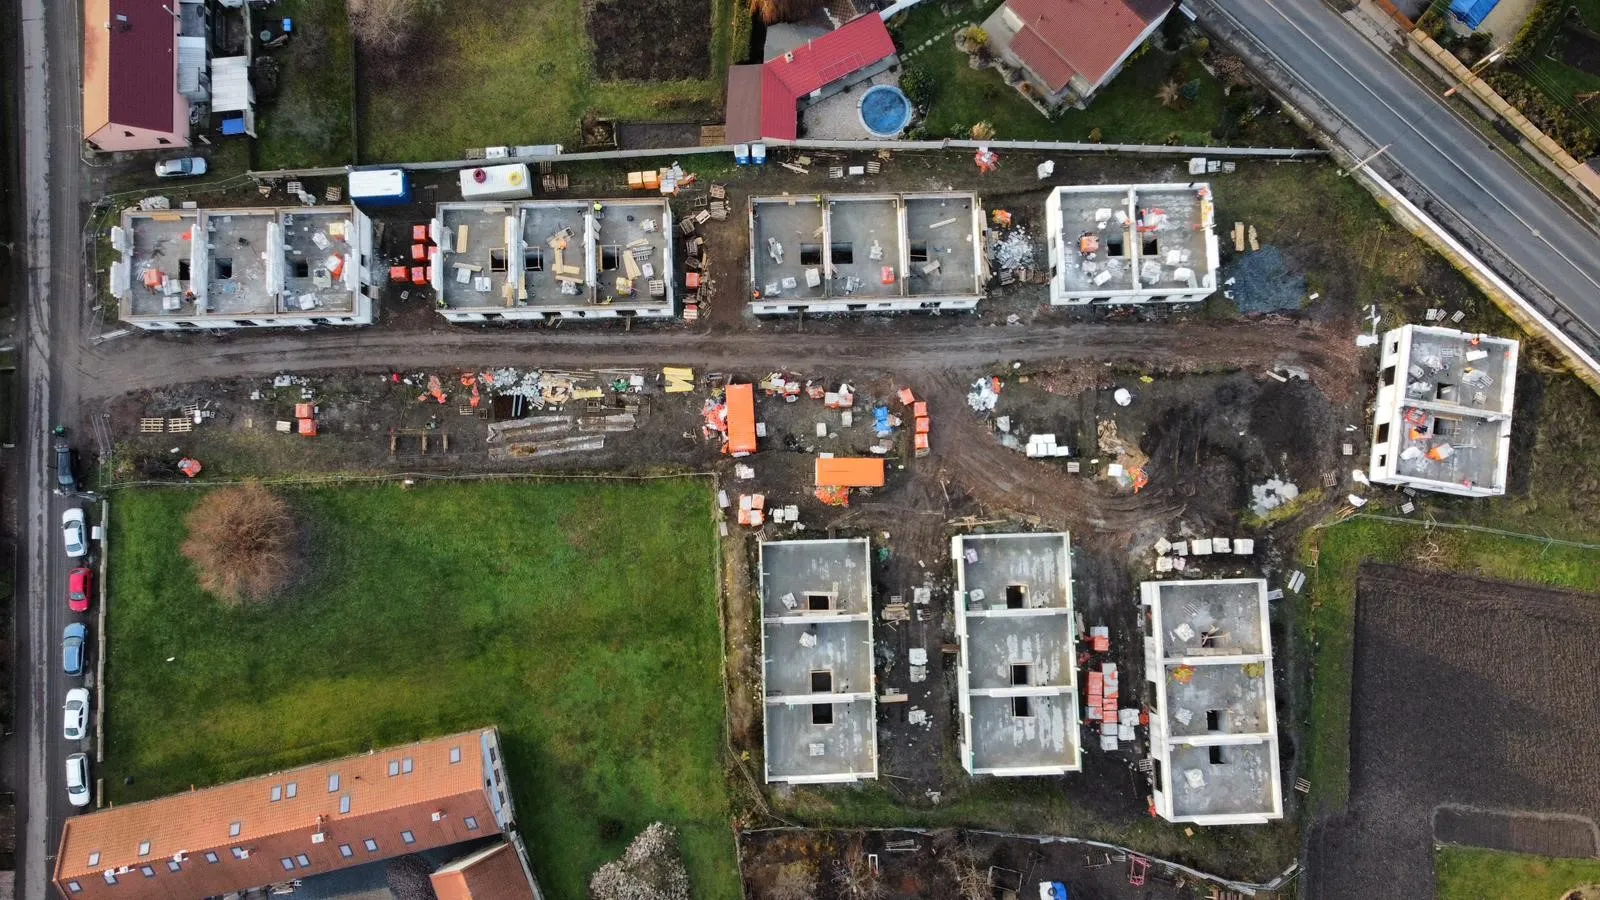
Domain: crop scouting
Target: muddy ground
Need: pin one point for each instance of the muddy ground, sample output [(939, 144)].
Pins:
[(783, 864), (1453, 677), (645, 40), (1205, 439)]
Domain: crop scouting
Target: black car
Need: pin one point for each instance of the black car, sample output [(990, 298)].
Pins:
[(66, 481)]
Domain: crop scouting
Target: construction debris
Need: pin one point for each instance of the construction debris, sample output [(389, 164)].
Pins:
[(1266, 497)]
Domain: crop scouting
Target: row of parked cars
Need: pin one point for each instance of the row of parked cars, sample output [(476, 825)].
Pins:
[(74, 648)]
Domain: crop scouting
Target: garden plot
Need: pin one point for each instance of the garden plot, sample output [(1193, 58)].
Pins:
[(1470, 694)]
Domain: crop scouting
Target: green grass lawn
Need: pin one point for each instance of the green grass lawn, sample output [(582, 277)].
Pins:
[(309, 122), (1125, 111), (580, 619), (522, 73), (1329, 623), (1467, 873)]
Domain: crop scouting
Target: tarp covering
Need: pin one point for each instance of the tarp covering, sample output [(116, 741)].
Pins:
[(1472, 12), (741, 419), (849, 472), (230, 84)]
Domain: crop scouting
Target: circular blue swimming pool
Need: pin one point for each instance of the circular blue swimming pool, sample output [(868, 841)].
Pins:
[(885, 111)]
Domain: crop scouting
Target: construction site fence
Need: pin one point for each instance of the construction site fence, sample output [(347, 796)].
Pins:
[(1153, 150), (381, 478), (1462, 526), (1246, 887)]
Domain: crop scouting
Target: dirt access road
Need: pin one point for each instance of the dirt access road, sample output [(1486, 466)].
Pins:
[(138, 362)]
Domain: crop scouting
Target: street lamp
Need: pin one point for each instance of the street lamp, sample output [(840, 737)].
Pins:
[(1498, 52)]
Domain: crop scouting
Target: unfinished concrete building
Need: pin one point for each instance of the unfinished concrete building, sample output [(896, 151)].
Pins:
[(1019, 673), (249, 267), (1213, 719), (553, 259), (816, 661), (1142, 243), (849, 253), (1442, 419)]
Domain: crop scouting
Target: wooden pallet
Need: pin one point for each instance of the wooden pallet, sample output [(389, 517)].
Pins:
[(152, 426)]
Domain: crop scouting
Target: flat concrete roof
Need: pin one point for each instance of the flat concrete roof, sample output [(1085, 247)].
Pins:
[(800, 750), (1213, 729), (866, 252), (941, 250), (1152, 239), (1440, 371), (817, 661), (1211, 618), (1019, 674), (251, 263), (521, 244), (810, 573)]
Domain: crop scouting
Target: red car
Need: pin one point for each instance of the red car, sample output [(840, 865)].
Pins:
[(78, 589)]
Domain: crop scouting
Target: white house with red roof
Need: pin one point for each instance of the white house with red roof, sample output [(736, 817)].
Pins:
[(1059, 52), (764, 101)]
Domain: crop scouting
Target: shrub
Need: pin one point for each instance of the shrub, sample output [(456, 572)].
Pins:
[(1557, 122), (1096, 135), (920, 85), (983, 131), (774, 11), (1544, 19), (1170, 95), (242, 543), (388, 25)]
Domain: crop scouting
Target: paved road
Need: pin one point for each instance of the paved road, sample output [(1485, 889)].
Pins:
[(51, 320), (1430, 144)]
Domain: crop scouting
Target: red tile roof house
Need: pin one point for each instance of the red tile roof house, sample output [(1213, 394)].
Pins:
[(1057, 53), (764, 101), (131, 97), (303, 822)]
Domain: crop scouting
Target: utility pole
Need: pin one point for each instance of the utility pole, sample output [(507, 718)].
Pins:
[(1368, 158), (1496, 54)]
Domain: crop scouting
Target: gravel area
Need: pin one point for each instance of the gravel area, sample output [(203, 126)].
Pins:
[(836, 119)]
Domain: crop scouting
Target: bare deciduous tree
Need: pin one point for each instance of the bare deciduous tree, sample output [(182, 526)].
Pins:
[(388, 25), (774, 11), (242, 543)]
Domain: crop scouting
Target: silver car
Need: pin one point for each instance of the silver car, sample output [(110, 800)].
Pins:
[(186, 167), (75, 714)]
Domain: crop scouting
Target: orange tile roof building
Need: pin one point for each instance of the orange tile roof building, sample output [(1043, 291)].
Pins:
[(1059, 52), (497, 872), (290, 825)]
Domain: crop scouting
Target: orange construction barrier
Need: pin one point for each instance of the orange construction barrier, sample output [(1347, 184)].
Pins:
[(906, 397), (849, 471), (741, 420)]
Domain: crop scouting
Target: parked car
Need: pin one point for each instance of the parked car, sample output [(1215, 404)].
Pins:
[(79, 581), (185, 167), (72, 644), (78, 779), (66, 479), (75, 533), (75, 714)]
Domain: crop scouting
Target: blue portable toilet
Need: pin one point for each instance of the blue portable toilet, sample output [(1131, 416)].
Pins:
[(758, 154), (741, 154)]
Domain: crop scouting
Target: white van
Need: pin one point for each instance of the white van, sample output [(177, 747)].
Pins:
[(78, 779)]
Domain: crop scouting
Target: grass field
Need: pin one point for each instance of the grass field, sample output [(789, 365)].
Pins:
[(1330, 621), (309, 123), (580, 619), (1467, 873), (521, 73)]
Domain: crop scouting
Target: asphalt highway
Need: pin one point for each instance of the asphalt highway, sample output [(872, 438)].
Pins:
[(1425, 139)]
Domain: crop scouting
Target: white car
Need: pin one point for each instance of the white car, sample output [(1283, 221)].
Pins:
[(78, 779), (75, 714), (74, 532), (181, 168)]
